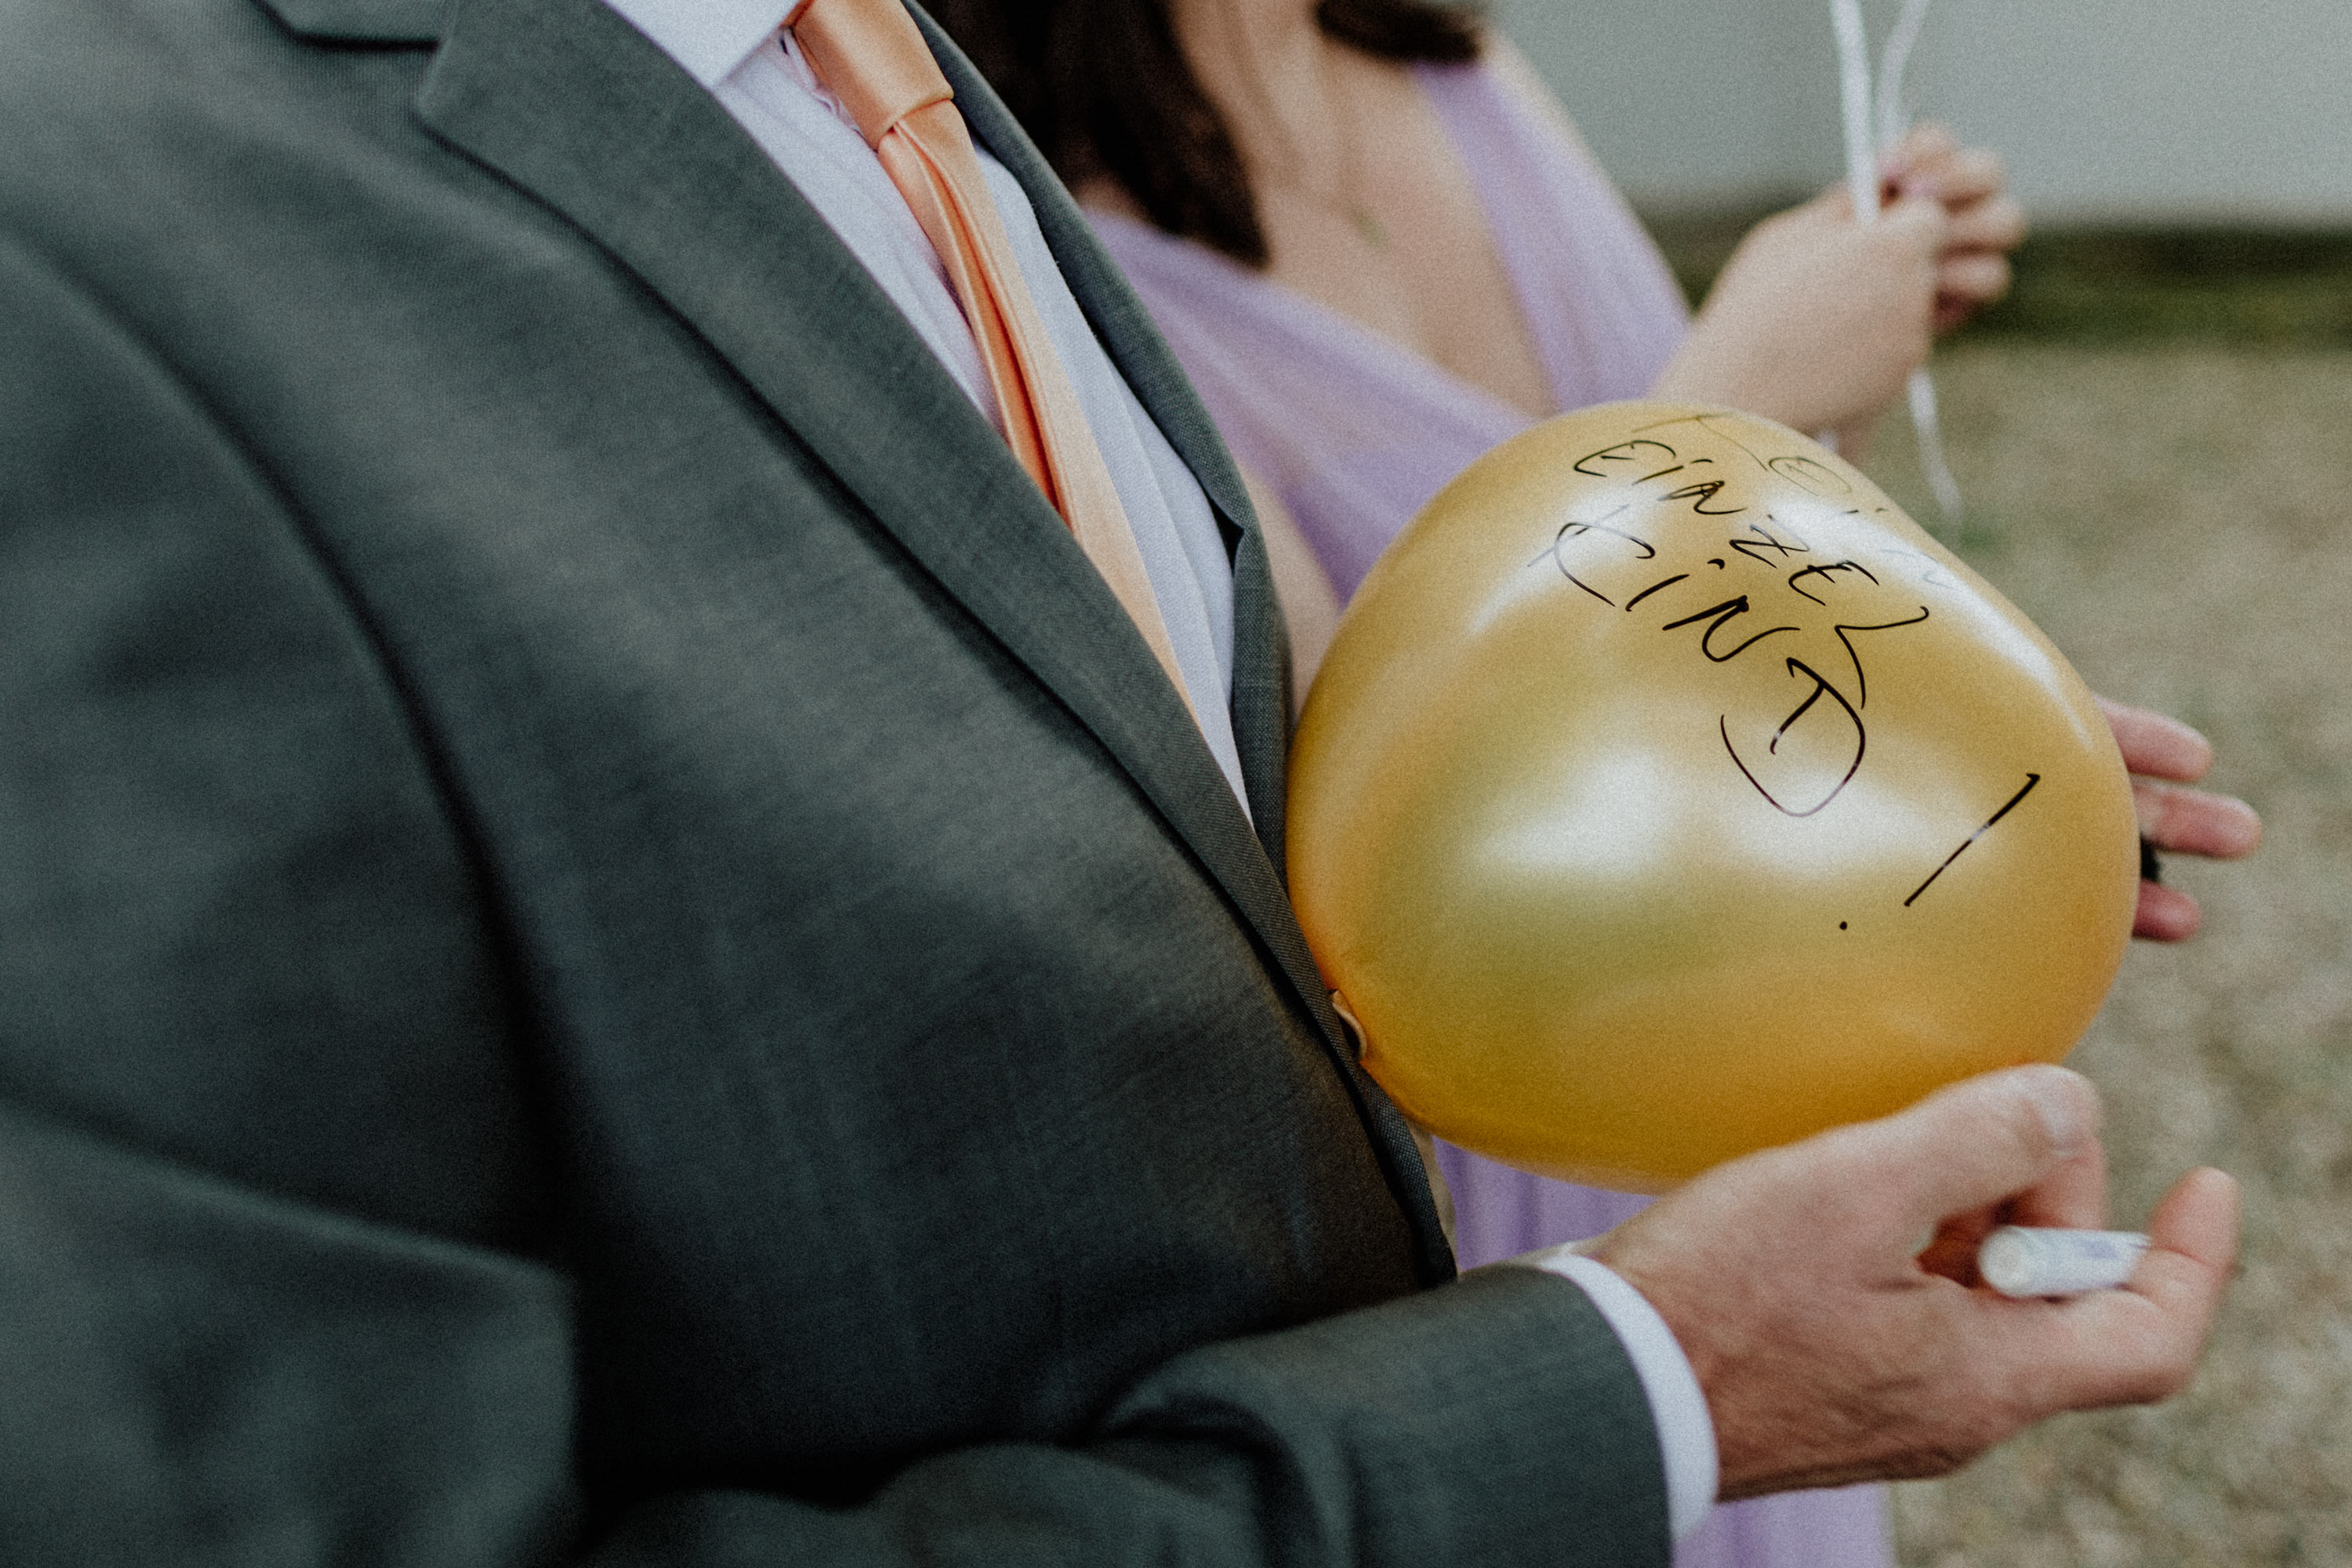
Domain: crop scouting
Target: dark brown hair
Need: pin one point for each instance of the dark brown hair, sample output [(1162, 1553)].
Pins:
[(1106, 91)]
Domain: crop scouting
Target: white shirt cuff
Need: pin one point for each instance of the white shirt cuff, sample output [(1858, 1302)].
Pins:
[(1677, 1405)]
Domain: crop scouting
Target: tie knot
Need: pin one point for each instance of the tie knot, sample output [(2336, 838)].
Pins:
[(870, 55)]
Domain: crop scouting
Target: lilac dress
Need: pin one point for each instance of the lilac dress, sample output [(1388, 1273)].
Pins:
[(1354, 433)]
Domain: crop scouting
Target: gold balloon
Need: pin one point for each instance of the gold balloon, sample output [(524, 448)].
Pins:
[(1667, 794)]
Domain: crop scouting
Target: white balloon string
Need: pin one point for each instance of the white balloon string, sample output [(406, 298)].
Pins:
[(1893, 62), (1894, 122), (1930, 431), (1854, 92), (1862, 144)]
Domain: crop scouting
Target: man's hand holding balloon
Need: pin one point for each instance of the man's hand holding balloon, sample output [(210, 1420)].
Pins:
[(1832, 1349), (2163, 755), (1668, 799)]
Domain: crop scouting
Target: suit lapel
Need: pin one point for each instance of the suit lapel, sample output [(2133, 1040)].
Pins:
[(574, 107), (1261, 698), (1261, 705)]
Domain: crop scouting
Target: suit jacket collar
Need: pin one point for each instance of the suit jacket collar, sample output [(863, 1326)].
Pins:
[(575, 107)]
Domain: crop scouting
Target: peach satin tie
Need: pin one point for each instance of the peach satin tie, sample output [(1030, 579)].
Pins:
[(870, 56)]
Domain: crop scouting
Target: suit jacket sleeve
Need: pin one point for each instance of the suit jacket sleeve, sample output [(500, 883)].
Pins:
[(197, 1372)]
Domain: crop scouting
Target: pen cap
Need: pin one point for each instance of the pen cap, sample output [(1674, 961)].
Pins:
[(2023, 1261)]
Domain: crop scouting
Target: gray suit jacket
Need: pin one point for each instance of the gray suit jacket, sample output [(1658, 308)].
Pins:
[(608, 943)]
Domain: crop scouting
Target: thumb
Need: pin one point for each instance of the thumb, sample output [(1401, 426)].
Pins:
[(1920, 223), (1925, 143), (1984, 1139), (2192, 1240)]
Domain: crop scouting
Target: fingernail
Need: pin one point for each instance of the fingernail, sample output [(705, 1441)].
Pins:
[(2061, 1099)]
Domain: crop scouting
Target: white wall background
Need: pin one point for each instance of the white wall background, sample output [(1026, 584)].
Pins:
[(2157, 110)]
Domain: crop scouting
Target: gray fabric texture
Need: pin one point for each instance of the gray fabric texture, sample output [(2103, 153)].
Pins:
[(609, 944)]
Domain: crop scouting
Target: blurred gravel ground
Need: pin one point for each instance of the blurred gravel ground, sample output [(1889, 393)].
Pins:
[(2174, 513)]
